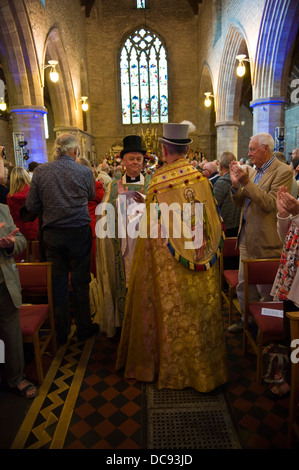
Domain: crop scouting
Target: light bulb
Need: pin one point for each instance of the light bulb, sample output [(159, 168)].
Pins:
[(54, 76), (208, 102), (2, 105), (241, 70), (84, 103)]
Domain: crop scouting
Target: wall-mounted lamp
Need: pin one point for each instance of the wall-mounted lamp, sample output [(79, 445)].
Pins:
[(208, 101), (241, 67), (2, 104), (84, 103), (54, 75)]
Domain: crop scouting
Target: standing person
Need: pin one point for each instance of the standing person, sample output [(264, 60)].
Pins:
[(12, 242), (173, 328), (210, 171), (222, 191), (295, 154), (60, 191), (286, 285), (103, 175), (114, 254), (4, 190), (92, 205), (19, 187), (256, 193)]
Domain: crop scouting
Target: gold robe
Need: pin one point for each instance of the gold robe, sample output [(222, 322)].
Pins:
[(172, 329)]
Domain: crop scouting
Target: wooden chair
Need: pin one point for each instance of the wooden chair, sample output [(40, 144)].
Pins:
[(35, 255), (37, 319), (265, 329), (293, 427), (24, 256), (229, 277)]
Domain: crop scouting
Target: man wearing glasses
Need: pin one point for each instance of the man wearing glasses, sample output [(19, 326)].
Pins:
[(256, 195)]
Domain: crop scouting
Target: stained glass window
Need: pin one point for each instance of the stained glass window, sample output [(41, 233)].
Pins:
[(144, 79), (141, 3)]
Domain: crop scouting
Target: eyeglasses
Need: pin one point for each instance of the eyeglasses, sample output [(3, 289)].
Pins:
[(254, 150)]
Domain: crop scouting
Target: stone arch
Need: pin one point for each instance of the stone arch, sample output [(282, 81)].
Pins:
[(229, 90), (206, 116), (20, 62), (279, 26), (62, 95), (229, 86)]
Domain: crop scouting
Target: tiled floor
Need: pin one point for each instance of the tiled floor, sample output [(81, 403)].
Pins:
[(110, 413)]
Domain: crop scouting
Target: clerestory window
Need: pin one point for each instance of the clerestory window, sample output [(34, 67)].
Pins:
[(144, 79), (141, 4)]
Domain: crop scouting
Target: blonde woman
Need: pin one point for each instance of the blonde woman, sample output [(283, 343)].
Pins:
[(18, 190)]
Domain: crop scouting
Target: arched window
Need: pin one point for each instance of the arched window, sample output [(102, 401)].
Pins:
[(144, 79)]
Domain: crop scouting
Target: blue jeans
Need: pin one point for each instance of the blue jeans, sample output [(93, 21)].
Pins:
[(69, 249)]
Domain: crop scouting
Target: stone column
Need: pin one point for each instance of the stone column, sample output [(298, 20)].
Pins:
[(29, 122), (227, 137), (268, 113)]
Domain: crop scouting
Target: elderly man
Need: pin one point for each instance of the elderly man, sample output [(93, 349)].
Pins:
[(114, 253), (256, 194), (210, 171), (103, 175), (60, 191), (172, 328)]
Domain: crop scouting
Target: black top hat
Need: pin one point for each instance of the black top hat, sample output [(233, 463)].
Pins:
[(132, 143)]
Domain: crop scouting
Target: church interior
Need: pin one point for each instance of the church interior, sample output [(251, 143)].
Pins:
[(103, 70)]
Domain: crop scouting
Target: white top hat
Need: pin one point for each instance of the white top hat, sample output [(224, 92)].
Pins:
[(175, 134)]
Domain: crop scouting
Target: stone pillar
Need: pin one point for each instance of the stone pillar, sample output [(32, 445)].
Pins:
[(268, 113), (29, 122), (227, 137)]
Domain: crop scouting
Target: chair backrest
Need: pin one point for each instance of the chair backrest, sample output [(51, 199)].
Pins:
[(35, 251), (260, 271), (24, 256), (36, 278), (230, 248)]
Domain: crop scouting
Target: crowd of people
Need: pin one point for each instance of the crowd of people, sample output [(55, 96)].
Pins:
[(167, 331)]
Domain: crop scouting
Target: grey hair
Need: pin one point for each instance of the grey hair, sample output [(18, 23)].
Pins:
[(226, 158), (64, 143), (265, 139)]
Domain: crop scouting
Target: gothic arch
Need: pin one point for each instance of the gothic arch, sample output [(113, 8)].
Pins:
[(279, 26), (62, 95), (206, 117), (18, 56), (229, 86)]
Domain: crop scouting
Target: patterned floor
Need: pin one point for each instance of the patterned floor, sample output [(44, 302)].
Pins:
[(84, 404)]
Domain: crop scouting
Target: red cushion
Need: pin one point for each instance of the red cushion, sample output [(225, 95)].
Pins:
[(231, 277), (272, 326), (31, 317)]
